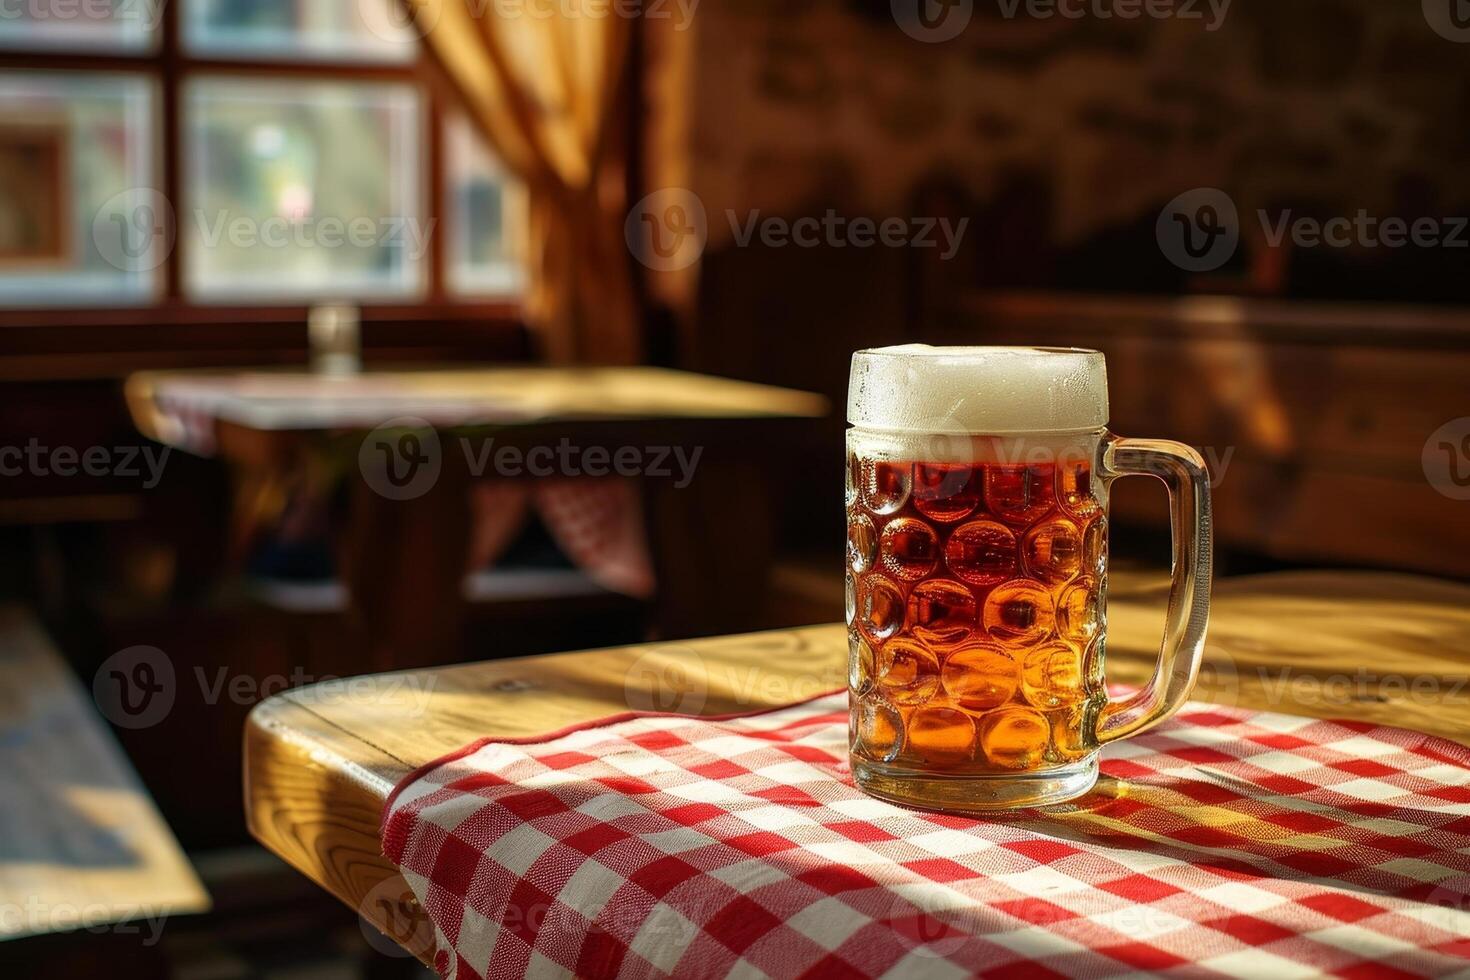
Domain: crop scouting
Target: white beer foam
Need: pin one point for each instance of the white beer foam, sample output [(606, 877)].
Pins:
[(993, 390)]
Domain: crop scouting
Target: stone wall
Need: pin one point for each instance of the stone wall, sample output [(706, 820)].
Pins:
[(1061, 140), (1079, 130)]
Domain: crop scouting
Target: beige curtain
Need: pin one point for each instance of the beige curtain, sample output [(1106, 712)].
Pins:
[(550, 92)]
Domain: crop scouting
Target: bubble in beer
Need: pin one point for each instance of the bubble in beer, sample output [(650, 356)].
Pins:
[(1074, 489), (942, 613), (909, 549), (1053, 550), (980, 676), (946, 492), (885, 486), (1019, 612), (982, 553), (941, 735), (862, 544), (1079, 611), (1092, 665), (1095, 546), (861, 664), (1014, 738), (908, 672), (1051, 676), (850, 596), (881, 612), (1072, 732), (1018, 494), (880, 730)]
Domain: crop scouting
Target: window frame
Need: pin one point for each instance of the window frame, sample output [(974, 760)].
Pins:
[(168, 65)]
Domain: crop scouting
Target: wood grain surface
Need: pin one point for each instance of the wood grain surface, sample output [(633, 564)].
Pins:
[(320, 761), (297, 400)]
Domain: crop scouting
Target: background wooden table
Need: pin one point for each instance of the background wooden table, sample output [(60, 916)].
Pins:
[(320, 761), (269, 424)]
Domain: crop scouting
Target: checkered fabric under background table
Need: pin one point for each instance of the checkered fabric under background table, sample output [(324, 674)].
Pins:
[(1224, 843)]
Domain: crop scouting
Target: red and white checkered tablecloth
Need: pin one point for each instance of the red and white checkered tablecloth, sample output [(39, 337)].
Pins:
[(1225, 843)]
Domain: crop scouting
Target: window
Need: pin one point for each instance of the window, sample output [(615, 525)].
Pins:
[(304, 29), (72, 147), (98, 25), (295, 184), (240, 152)]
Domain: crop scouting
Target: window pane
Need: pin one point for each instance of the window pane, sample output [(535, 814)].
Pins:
[(79, 222), (364, 30), (81, 25), (302, 189), (487, 216)]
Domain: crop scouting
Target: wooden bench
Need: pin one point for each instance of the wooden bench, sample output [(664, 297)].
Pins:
[(81, 843)]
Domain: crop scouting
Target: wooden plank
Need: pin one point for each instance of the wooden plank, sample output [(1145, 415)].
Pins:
[(321, 760), (81, 842)]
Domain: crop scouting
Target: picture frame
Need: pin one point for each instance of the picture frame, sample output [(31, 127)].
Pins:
[(35, 225)]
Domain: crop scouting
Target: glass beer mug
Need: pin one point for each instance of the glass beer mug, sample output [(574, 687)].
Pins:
[(977, 500)]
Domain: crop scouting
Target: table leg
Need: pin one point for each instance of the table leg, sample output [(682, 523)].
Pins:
[(713, 547), (403, 562)]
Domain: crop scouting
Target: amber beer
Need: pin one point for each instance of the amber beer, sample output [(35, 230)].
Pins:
[(976, 572)]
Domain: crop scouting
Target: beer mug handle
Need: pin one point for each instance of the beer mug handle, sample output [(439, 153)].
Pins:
[(1183, 471)]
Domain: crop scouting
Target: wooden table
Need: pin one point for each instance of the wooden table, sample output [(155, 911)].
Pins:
[(401, 558), (1392, 649)]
